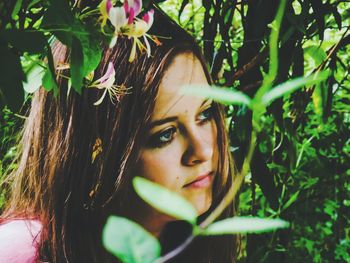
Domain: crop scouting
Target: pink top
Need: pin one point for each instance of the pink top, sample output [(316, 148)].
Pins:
[(19, 241)]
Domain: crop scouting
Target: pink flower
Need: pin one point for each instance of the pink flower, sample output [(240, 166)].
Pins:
[(126, 23), (118, 18), (106, 82), (139, 29), (132, 9)]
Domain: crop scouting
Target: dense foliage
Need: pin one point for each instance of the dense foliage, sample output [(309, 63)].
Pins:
[(300, 169)]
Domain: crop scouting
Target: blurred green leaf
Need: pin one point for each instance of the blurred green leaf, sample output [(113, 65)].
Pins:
[(319, 98), (164, 200), (16, 8), (223, 95), (129, 242), (237, 225), (291, 200), (290, 86)]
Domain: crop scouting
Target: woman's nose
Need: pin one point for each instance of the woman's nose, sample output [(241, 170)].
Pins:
[(200, 147)]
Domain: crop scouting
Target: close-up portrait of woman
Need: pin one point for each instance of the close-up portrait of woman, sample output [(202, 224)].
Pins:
[(146, 112)]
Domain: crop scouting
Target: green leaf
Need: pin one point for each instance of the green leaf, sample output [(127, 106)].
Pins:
[(34, 78), (76, 65), (91, 49), (84, 43), (16, 8), (164, 200), (292, 85), (129, 242), (85, 57), (223, 95), (291, 200), (244, 225), (32, 3), (319, 97), (316, 53), (183, 5), (49, 80), (32, 42), (59, 17)]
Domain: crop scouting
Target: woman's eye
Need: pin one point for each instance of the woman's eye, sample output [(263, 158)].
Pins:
[(206, 115), (162, 138), (166, 136)]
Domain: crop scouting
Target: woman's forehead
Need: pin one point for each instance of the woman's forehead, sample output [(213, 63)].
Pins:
[(185, 69)]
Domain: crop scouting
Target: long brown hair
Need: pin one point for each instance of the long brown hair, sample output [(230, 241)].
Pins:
[(57, 180)]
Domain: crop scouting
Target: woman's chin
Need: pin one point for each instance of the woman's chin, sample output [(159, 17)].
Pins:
[(202, 206)]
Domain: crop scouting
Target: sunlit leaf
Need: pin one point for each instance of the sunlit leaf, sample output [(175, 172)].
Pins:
[(34, 79), (316, 53), (129, 242), (223, 95), (164, 200), (292, 85), (244, 225), (319, 97), (48, 81)]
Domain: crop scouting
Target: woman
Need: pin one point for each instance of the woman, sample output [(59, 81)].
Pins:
[(77, 160)]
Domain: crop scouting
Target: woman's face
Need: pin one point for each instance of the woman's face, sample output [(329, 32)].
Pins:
[(180, 151)]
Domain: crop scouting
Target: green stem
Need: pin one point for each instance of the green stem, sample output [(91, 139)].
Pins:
[(273, 45)]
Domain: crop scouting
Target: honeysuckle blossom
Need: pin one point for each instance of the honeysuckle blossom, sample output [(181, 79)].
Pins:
[(106, 82), (132, 9), (139, 29), (104, 7), (125, 22), (118, 18)]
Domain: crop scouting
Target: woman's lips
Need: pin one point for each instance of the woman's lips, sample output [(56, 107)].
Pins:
[(201, 181)]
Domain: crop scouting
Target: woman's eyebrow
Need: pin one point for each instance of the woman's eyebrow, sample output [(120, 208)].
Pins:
[(205, 101), (162, 121), (170, 118)]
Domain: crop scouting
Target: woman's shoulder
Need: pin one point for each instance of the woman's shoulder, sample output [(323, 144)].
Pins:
[(19, 240)]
